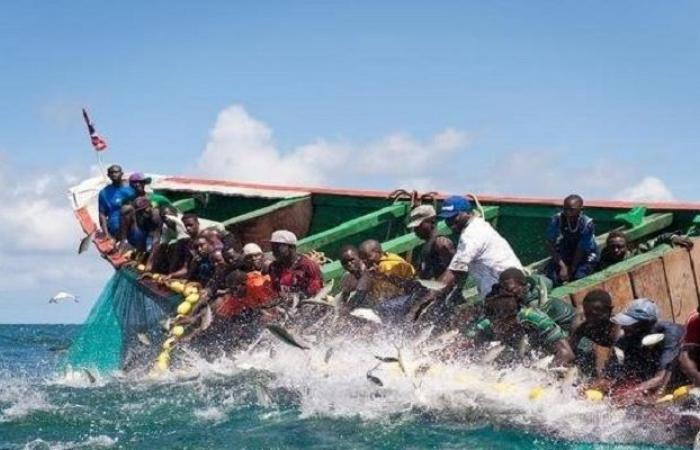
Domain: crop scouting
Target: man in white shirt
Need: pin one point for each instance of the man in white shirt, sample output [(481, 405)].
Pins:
[(481, 252)]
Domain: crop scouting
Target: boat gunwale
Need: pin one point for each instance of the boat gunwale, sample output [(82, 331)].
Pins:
[(486, 198)]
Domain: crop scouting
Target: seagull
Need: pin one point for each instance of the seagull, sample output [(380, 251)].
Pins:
[(63, 296)]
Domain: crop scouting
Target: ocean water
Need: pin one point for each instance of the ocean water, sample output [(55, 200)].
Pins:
[(282, 397)]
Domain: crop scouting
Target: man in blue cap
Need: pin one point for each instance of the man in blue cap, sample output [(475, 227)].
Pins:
[(650, 347), (481, 251)]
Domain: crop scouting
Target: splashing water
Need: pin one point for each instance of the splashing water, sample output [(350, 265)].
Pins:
[(280, 396)]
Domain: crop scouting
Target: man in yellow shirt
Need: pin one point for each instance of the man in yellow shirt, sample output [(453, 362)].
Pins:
[(386, 275)]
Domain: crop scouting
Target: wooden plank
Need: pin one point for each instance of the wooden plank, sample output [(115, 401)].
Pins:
[(185, 204), (263, 211), (649, 280), (695, 260), (681, 283), (619, 288), (352, 227)]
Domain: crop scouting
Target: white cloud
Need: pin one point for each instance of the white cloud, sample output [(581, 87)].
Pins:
[(650, 189), (241, 147)]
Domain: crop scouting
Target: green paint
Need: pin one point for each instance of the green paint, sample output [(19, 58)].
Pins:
[(352, 227), (262, 211), (185, 205), (634, 217)]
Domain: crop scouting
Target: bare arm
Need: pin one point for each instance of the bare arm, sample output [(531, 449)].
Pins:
[(563, 355), (689, 367)]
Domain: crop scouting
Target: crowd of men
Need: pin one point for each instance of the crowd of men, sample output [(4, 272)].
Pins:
[(633, 353)]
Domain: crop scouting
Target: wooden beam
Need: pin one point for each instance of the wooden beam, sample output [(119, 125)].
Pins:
[(263, 211), (185, 205), (402, 244), (352, 227)]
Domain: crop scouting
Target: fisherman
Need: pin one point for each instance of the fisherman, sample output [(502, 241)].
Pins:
[(385, 275), (110, 201), (292, 273), (142, 226), (571, 243), (190, 222), (204, 262), (437, 251), (532, 290), (647, 369), (689, 359), (254, 260), (510, 322), (594, 326), (617, 249), (354, 268), (138, 182)]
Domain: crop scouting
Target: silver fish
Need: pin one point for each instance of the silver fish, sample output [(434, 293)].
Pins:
[(90, 376), (387, 359), (652, 339), (493, 353), (143, 339), (286, 336), (366, 314), (207, 319), (327, 356), (374, 380), (85, 242), (432, 285)]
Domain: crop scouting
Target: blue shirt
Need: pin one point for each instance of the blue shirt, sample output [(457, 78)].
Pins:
[(110, 202), (569, 237)]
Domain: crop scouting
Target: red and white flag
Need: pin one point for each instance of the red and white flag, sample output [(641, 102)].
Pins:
[(97, 142)]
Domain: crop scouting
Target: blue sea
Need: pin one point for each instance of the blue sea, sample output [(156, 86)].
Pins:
[(291, 399)]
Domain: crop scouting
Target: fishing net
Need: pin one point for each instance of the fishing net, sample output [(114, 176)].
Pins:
[(123, 326)]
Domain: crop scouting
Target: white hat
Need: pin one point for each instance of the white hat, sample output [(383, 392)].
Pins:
[(251, 249), (419, 214), (283, 237)]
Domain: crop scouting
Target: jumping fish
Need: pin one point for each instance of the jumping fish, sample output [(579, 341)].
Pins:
[(143, 338), (207, 318), (366, 314), (90, 376), (286, 336), (374, 380), (63, 296), (85, 242), (387, 359), (493, 353), (432, 285), (619, 354), (652, 339), (319, 298), (327, 356)]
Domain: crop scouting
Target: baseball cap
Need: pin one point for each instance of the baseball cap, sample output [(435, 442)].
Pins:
[(251, 249), (454, 205), (419, 214), (139, 176), (640, 309), (283, 237)]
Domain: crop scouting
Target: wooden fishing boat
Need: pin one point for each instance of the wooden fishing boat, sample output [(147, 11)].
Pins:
[(325, 219)]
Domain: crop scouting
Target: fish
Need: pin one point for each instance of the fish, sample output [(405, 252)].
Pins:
[(374, 380), (401, 361), (366, 314), (286, 336), (90, 376), (619, 354), (327, 356), (387, 359), (85, 242), (543, 363), (432, 285), (207, 319), (424, 336), (493, 353), (63, 296), (318, 299), (652, 339), (143, 338)]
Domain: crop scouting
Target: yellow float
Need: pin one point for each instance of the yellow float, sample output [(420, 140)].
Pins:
[(184, 308), (594, 395), (192, 298)]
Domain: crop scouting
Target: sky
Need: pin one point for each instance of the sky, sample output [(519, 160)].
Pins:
[(537, 98)]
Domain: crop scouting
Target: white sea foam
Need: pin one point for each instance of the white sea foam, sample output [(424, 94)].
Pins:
[(211, 414), (20, 400), (100, 441)]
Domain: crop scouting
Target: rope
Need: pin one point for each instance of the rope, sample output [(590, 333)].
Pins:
[(478, 204)]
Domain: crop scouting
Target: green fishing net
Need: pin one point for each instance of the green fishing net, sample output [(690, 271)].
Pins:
[(123, 328)]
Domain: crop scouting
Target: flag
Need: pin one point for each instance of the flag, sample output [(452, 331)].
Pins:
[(97, 142)]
